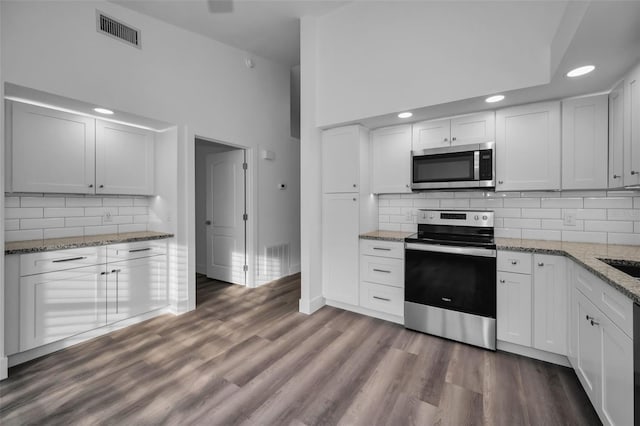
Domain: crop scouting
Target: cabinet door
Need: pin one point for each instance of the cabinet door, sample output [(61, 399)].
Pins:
[(340, 247), (50, 151), (617, 374), (124, 159), (572, 324), (616, 136), (431, 134), (340, 159), (550, 303), (476, 128), (632, 124), (135, 287), (585, 143), (528, 147), (514, 308), (57, 305), (589, 345), (391, 157)]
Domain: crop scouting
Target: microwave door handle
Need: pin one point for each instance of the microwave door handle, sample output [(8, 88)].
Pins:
[(471, 251), (476, 165)]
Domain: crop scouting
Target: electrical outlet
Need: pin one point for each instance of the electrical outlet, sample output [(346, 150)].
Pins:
[(570, 219), (107, 217)]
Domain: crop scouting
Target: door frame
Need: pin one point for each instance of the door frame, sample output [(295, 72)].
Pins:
[(250, 194)]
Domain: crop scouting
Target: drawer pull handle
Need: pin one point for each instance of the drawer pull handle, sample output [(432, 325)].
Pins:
[(594, 323), (381, 270), (137, 250), (445, 299), (514, 262), (382, 298), (71, 259), (105, 273), (502, 281), (382, 248), (115, 271)]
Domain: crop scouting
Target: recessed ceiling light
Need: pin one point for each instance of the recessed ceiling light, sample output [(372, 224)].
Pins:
[(581, 71), (405, 115), (103, 111), (496, 98)]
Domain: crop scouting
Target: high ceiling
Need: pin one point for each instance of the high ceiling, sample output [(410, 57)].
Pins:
[(267, 28)]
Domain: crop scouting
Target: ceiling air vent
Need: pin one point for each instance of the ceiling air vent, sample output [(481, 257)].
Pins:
[(112, 28)]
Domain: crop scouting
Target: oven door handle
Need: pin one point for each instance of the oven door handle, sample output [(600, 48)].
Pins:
[(465, 251)]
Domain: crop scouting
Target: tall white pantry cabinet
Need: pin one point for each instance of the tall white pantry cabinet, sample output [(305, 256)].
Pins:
[(348, 209)]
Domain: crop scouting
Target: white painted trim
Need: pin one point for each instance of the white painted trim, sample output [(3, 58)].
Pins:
[(533, 353), (308, 307), (4, 368), (22, 357), (294, 269), (367, 312)]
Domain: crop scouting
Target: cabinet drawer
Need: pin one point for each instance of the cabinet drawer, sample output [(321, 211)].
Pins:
[(136, 250), (60, 260), (382, 298), (382, 270), (382, 248), (511, 261), (615, 305)]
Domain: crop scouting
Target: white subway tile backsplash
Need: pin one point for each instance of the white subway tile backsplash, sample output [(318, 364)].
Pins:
[(22, 213), (381, 218), (23, 235), (389, 210), (542, 213), (426, 203), (133, 227), (582, 194), (608, 226), (83, 202), (608, 203), (402, 202), (522, 223), (559, 224), (624, 238), (12, 202), (103, 229), (140, 202), (486, 203), (409, 227), (11, 224), (63, 211), (522, 202), (52, 222), (120, 220), (389, 226), (507, 212), (63, 232), (41, 201), (82, 221), (439, 194), (383, 203), (508, 233), (636, 227), (100, 211), (562, 203), (455, 203), (117, 202), (623, 214), (541, 234), (585, 237), (592, 214)]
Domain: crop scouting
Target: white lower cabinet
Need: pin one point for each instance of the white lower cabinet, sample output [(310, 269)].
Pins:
[(603, 353), (382, 298), (514, 308), (58, 304), (550, 292)]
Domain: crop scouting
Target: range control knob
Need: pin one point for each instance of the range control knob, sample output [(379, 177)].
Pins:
[(476, 217), (485, 217)]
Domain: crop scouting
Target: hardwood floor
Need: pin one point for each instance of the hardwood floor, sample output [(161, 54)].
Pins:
[(248, 357)]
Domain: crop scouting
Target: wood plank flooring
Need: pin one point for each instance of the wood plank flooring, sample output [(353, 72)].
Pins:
[(248, 357)]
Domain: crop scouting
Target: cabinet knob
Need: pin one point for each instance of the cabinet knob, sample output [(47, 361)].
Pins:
[(407, 185), (617, 176), (101, 186), (90, 185), (500, 182), (453, 138), (354, 185), (446, 139), (502, 281), (633, 172), (355, 199), (207, 222), (540, 263), (514, 262)]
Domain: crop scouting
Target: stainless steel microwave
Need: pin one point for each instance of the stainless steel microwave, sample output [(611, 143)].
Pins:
[(463, 166)]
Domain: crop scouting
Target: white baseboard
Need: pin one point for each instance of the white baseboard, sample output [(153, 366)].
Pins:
[(367, 312), (22, 357), (4, 368), (533, 353), (294, 269), (310, 306)]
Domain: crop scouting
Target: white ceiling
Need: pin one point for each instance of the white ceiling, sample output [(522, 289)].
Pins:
[(266, 28)]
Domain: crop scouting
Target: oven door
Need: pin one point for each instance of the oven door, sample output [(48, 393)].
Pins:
[(449, 277)]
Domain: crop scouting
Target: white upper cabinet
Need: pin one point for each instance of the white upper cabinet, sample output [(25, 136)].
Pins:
[(464, 130), (528, 147), (49, 151), (340, 159), (585, 143), (474, 128), (616, 136), (431, 134), (391, 159), (632, 126), (124, 159)]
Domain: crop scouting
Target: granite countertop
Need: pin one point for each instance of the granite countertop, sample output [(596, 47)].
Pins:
[(398, 236), (34, 246), (587, 255)]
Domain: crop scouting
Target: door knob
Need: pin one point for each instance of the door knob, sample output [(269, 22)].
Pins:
[(207, 222)]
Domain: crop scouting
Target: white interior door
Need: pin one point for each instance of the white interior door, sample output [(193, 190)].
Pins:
[(226, 251)]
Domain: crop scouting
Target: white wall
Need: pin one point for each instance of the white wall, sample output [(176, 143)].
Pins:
[(4, 363), (178, 77), (376, 58)]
